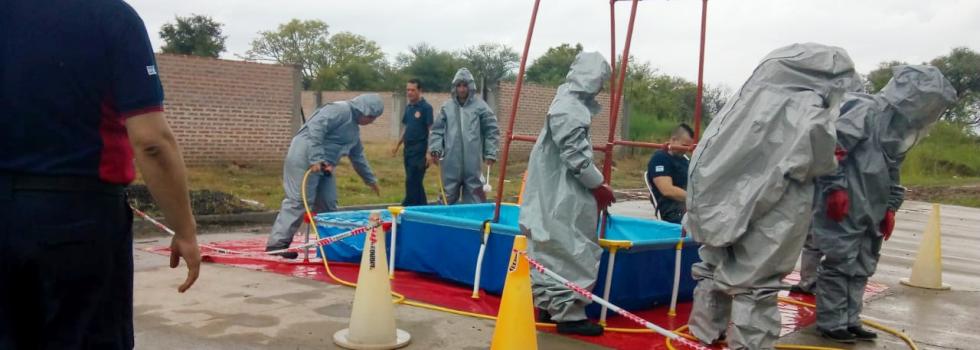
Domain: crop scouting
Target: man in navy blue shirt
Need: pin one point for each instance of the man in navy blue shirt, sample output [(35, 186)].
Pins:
[(417, 121), (80, 96), (667, 171)]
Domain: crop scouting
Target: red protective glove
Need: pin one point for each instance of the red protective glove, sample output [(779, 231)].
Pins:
[(840, 153), (604, 196), (887, 224), (838, 203)]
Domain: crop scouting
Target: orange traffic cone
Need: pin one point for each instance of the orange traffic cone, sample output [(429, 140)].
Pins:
[(372, 319), (515, 320), (927, 271)]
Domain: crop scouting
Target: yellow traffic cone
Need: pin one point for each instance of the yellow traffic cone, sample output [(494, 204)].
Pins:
[(515, 320), (372, 319), (927, 271)]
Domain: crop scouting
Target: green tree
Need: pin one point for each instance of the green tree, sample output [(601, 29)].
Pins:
[(194, 35), (300, 43), (352, 63), (551, 68), (434, 67), (490, 62), (962, 68), (877, 79)]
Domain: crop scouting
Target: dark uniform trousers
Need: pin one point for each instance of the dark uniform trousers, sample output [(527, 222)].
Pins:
[(66, 266), (415, 173)]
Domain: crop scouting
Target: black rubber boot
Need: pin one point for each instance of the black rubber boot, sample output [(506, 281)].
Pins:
[(840, 336), (862, 334), (544, 317), (797, 289), (287, 255), (583, 327)]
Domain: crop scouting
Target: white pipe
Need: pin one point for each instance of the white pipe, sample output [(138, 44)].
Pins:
[(479, 265), (677, 275), (677, 284), (608, 286)]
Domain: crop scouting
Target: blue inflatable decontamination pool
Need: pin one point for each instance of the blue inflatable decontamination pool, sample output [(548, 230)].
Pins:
[(444, 241)]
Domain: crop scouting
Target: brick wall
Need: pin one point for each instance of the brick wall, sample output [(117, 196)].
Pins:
[(223, 111), (535, 100), (531, 112)]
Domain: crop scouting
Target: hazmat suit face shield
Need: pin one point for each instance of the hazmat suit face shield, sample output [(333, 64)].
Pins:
[(917, 97)]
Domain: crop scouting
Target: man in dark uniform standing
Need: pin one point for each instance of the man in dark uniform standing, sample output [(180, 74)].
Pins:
[(417, 121), (80, 96), (667, 172)]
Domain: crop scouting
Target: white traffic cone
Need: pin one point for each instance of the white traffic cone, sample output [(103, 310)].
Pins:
[(927, 271), (372, 319)]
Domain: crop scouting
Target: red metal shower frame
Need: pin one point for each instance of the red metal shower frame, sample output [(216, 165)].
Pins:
[(615, 96)]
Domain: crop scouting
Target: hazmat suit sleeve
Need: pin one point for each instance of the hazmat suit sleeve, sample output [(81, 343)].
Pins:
[(438, 132), (491, 134), (896, 193), (852, 130), (319, 127), (360, 163), (813, 154), (572, 137)]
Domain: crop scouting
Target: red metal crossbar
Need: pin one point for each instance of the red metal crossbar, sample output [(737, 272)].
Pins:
[(616, 82)]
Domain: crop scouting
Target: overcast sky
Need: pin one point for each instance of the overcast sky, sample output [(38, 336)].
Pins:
[(740, 32)]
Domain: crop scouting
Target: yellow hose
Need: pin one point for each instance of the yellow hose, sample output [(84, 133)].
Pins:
[(442, 189), (870, 323), (400, 299)]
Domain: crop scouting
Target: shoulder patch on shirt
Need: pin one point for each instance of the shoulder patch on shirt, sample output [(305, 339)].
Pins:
[(151, 70), (659, 168)]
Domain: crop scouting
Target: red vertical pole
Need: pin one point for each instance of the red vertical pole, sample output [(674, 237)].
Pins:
[(698, 103), (612, 48), (513, 113), (616, 98)]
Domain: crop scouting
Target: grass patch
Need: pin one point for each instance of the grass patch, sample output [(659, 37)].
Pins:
[(948, 156), (264, 183), (646, 127)]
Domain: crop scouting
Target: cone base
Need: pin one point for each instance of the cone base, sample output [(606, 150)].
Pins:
[(342, 338), (905, 281)]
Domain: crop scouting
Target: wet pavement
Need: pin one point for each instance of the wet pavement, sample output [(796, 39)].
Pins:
[(234, 308)]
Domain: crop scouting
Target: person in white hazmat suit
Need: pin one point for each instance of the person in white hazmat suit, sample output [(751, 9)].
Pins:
[(857, 203), (464, 136), (331, 133), (750, 189), (563, 196)]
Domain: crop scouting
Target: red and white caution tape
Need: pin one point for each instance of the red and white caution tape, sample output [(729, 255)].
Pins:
[(578, 289), (321, 242)]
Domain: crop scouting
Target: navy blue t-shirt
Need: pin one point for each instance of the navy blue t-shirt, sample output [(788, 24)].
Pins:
[(417, 120), (71, 72), (664, 164)]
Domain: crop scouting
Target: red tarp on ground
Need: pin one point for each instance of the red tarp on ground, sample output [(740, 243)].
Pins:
[(426, 289)]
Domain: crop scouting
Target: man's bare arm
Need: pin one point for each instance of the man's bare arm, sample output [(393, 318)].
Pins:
[(162, 167), (666, 187)]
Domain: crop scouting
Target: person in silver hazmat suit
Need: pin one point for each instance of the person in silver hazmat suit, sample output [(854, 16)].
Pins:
[(331, 133), (856, 204), (563, 195), (751, 186), (464, 136)]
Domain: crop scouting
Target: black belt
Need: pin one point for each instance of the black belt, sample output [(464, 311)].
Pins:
[(60, 184)]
